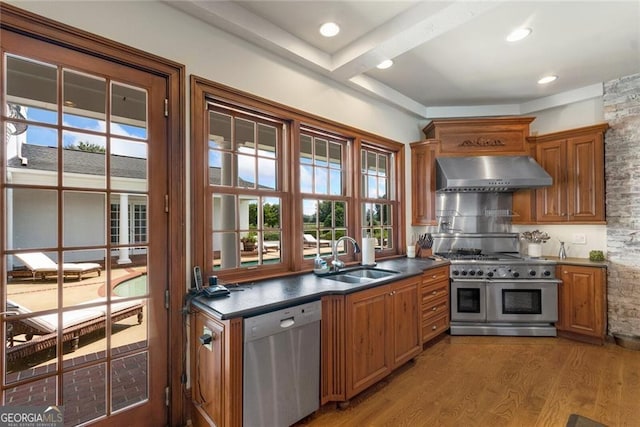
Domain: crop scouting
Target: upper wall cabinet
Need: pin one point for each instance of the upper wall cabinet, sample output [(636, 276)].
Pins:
[(423, 182), (575, 161), (480, 136)]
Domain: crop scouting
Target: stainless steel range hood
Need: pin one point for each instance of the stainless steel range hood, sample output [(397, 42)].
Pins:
[(489, 174)]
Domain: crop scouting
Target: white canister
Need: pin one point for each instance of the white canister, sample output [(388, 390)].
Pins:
[(535, 250)]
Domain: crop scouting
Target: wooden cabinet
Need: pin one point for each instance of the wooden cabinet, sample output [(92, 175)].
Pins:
[(216, 371), (382, 332), (582, 306), (434, 307), (423, 182), (575, 161), (366, 335)]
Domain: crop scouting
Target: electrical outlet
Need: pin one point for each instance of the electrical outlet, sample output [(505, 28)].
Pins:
[(579, 239), (207, 331)]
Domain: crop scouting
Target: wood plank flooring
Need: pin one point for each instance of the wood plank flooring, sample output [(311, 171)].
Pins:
[(500, 381)]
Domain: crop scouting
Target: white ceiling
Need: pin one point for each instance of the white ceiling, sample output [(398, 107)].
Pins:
[(450, 57)]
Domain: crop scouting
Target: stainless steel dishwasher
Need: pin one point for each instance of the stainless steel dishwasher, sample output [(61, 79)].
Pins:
[(281, 382)]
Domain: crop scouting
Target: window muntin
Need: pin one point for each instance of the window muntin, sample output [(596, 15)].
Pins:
[(377, 208), (322, 164), (324, 221)]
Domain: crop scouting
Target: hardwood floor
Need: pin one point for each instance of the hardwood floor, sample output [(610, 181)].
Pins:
[(500, 381)]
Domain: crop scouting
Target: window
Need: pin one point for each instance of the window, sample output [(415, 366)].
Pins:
[(323, 186), (274, 186), (378, 201), (244, 159)]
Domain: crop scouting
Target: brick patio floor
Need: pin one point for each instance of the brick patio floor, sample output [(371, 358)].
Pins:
[(84, 389)]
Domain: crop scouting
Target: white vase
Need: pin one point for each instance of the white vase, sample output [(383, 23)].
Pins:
[(535, 250)]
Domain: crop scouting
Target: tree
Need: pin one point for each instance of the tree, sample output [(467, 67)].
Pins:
[(88, 147)]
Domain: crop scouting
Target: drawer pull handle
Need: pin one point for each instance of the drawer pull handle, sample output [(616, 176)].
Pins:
[(434, 327), (434, 276), (434, 308), (434, 292)]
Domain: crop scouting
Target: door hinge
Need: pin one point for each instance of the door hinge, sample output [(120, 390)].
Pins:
[(166, 396), (166, 299), (166, 203), (166, 107)]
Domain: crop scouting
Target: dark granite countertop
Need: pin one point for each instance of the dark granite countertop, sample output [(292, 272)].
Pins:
[(273, 294)]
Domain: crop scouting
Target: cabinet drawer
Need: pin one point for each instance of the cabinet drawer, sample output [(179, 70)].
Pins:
[(435, 275), (434, 327), (435, 309), (435, 291)]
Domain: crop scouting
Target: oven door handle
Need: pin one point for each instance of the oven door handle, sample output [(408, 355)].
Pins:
[(476, 281), (525, 282)]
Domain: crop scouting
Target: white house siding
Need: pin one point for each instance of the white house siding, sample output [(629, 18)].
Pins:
[(622, 165)]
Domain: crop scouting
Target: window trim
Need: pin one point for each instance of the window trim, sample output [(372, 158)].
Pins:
[(204, 91)]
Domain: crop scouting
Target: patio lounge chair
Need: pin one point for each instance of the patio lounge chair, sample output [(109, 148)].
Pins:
[(42, 266), (41, 332), (311, 242)]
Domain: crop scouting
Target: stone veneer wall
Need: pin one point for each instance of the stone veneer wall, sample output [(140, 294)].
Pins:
[(622, 171)]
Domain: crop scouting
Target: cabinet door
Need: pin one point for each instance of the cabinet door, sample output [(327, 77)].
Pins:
[(367, 328), (582, 300), (551, 202), (208, 371), (405, 320), (423, 183), (585, 171)]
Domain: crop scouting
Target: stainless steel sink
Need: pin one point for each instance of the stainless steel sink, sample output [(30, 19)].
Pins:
[(346, 278), (361, 275), (371, 273)]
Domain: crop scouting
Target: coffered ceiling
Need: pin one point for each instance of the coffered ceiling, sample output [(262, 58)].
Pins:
[(450, 57)]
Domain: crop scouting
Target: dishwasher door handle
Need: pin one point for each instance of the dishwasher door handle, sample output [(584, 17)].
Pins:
[(287, 323)]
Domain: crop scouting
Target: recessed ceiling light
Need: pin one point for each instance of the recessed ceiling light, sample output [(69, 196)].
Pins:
[(329, 29), (518, 34), (546, 79), (384, 64)]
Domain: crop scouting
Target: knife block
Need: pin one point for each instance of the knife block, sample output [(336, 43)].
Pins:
[(423, 252)]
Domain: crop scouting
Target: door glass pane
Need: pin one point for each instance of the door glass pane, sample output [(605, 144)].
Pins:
[(468, 300), (129, 384), (83, 160), (129, 165), (84, 394), (521, 301), (32, 154), (32, 85), (83, 278), (128, 111), (84, 101), (37, 393), (31, 218), (33, 280), (84, 218)]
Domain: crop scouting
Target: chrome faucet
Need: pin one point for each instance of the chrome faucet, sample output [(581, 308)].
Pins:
[(336, 264)]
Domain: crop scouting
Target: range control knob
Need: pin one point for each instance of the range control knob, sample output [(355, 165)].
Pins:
[(490, 274), (532, 272), (472, 273), (455, 272), (464, 272), (547, 273), (479, 273), (516, 274)]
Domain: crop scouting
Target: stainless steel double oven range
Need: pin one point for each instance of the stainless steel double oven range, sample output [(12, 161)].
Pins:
[(499, 293)]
